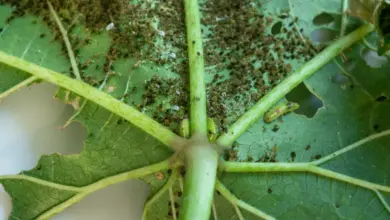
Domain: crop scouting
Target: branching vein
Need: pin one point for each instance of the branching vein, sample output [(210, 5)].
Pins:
[(351, 147), (237, 202), (64, 33), (86, 190), (17, 87), (251, 116), (383, 200), (301, 167), (160, 193)]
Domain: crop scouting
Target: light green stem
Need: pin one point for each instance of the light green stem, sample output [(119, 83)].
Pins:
[(250, 117), (198, 119), (160, 192), (368, 45), (77, 113), (41, 182), (344, 18), (17, 87), (140, 120), (172, 199), (201, 158), (64, 33), (383, 200), (237, 202), (301, 167), (199, 182), (351, 147), (164, 165)]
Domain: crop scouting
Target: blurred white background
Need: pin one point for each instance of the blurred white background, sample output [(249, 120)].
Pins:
[(30, 122)]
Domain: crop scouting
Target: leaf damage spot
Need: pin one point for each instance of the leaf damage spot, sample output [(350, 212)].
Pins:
[(293, 156), (323, 35), (372, 58), (275, 128), (309, 103), (382, 98), (323, 18), (276, 28), (159, 176)]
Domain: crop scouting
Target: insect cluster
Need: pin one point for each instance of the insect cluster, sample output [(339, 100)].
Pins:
[(247, 51)]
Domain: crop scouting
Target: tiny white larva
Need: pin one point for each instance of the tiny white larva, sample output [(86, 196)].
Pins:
[(279, 110)]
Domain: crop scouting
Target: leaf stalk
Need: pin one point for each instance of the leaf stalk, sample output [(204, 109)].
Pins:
[(251, 116)]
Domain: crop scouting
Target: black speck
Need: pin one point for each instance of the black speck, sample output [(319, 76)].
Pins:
[(198, 53), (275, 128), (293, 155), (307, 147), (352, 86), (376, 127), (1, 29), (193, 42), (269, 190), (318, 156), (382, 98), (337, 206), (169, 171), (218, 193)]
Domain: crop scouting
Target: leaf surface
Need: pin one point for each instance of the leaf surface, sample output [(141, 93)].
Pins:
[(140, 59)]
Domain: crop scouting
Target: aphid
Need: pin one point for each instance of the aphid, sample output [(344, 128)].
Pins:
[(212, 131), (184, 128), (279, 110)]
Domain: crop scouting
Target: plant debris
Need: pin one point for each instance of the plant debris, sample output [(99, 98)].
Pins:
[(247, 51)]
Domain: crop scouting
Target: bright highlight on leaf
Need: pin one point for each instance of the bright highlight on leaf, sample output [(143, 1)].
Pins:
[(198, 78)]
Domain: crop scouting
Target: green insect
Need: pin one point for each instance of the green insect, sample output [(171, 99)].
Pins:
[(184, 128), (279, 110), (212, 131)]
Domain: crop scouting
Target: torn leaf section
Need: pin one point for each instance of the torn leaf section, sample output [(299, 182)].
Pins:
[(308, 102), (112, 147)]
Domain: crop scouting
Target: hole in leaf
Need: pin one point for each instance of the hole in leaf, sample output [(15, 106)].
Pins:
[(110, 201), (340, 79), (372, 58), (323, 35), (5, 203), (382, 98), (30, 126), (308, 102), (323, 19), (276, 28)]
